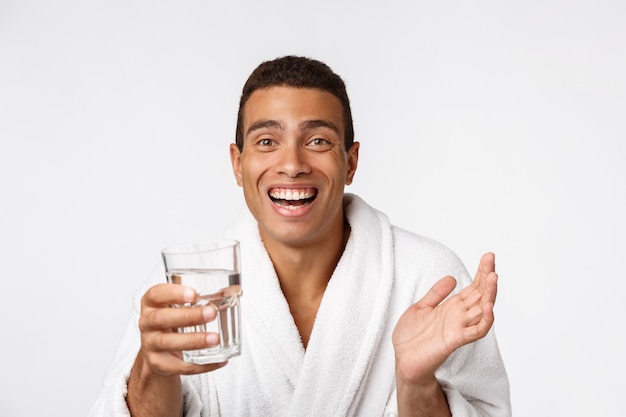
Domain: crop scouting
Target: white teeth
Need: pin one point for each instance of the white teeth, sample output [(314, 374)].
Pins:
[(292, 195)]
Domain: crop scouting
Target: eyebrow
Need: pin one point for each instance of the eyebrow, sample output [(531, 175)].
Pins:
[(313, 124), (305, 125), (265, 124)]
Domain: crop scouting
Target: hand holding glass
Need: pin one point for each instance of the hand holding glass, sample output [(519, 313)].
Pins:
[(212, 268)]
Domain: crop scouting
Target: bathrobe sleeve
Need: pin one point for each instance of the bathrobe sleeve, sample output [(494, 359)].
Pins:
[(112, 399), (473, 378)]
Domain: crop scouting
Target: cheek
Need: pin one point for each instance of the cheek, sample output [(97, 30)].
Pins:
[(338, 170), (251, 172)]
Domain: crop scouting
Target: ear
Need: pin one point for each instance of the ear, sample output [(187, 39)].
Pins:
[(235, 160), (352, 162)]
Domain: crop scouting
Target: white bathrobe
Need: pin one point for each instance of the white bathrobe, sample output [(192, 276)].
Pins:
[(348, 366)]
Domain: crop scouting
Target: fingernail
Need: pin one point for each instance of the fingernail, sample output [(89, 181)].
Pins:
[(189, 295), (212, 339), (209, 313)]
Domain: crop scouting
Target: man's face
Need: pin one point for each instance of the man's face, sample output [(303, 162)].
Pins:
[(293, 167)]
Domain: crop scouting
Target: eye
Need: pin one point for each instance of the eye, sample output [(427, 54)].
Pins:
[(265, 142), (319, 142)]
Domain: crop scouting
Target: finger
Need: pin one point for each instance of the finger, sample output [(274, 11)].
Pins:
[(491, 288), (192, 368), (484, 278), (471, 295), (168, 294), (438, 292), (474, 315), (481, 328), (487, 263), (176, 342), (165, 363), (166, 318), (486, 266), (480, 292)]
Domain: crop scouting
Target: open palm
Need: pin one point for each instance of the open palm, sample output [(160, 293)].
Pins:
[(434, 327)]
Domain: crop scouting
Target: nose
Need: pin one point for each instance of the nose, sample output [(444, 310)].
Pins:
[(293, 161)]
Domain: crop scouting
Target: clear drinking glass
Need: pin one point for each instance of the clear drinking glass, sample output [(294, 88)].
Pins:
[(212, 268)]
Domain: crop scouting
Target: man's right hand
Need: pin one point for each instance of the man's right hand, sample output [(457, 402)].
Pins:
[(154, 387)]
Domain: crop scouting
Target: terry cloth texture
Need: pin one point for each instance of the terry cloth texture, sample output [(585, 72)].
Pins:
[(348, 366)]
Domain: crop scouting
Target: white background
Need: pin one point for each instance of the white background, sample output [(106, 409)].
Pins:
[(487, 125)]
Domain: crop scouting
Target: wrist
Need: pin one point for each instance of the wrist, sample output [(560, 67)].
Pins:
[(151, 393), (422, 397), (423, 383)]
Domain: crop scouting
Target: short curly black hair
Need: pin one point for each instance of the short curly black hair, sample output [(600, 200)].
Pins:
[(298, 72)]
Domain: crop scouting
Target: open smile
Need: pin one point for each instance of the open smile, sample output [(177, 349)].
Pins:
[(292, 198)]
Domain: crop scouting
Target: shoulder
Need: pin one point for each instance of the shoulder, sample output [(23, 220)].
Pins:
[(425, 257), (429, 249)]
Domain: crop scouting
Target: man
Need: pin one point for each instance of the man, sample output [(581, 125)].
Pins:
[(343, 313)]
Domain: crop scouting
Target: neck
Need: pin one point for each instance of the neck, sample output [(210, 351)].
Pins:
[(309, 268), (304, 271)]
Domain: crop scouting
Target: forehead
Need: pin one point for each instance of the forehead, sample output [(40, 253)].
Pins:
[(290, 104)]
